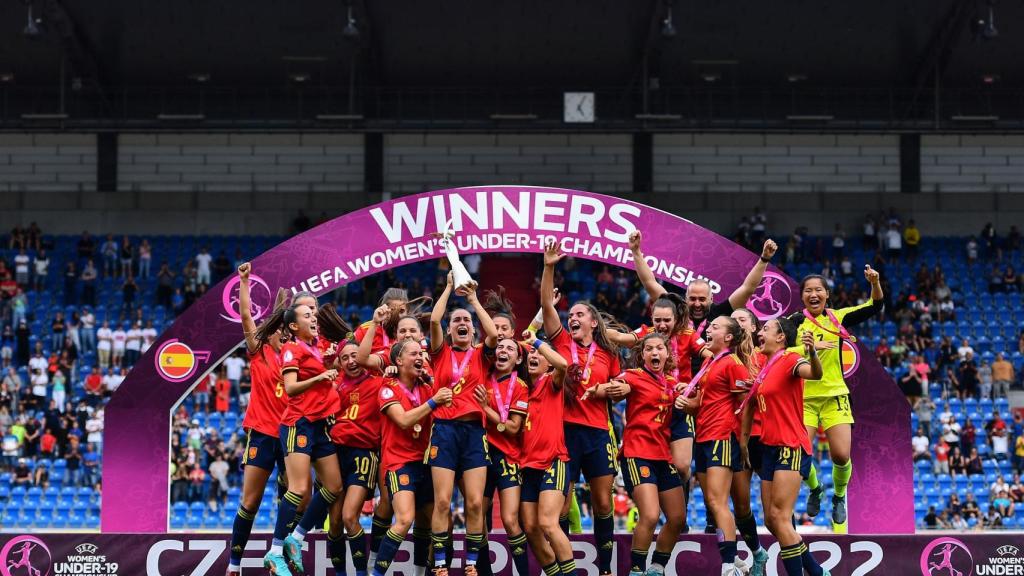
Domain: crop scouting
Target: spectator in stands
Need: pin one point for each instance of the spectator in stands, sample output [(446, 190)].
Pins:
[(921, 444), (969, 435), (941, 457), (870, 235), (1003, 505), (998, 486), (41, 266), (74, 465), (145, 259), (985, 380), (87, 331), (1013, 241), (88, 278), (957, 462), (989, 241), (958, 522), (222, 267), (910, 383), (974, 464), (109, 251), (972, 250), (19, 306), (22, 474), (925, 410), (234, 365), (970, 508), (223, 392), (86, 246), (931, 519), (1002, 376), (133, 344), (893, 244), (70, 283), (967, 374), (912, 238), (22, 275), (149, 335), (203, 261), (1018, 454), (883, 354), (992, 519), (201, 396), (128, 290), (897, 351), (838, 243), (995, 281), (119, 338), (1011, 283), (1017, 489), (964, 348), (90, 465)]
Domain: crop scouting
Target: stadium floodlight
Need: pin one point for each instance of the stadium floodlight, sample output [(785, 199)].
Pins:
[(668, 29), (351, 31)]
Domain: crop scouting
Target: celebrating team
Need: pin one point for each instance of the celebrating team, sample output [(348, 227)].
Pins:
[(523, 416)]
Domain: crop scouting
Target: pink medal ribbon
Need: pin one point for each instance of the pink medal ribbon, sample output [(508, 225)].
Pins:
[(576, 358), (414, 398), (503, 408), (457, 368), (693, 382), (842, 332), (314, 350), (345, 382), (675, 356), (760, 378)]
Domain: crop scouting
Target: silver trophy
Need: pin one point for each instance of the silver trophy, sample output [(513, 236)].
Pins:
[(461, 279)]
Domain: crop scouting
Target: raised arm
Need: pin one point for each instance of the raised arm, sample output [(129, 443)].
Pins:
[(558, 363), (812, 370), (623, 339), (364, 355), (437, 314), (408, 418), (244, 304), (739, 298), (486, 322), (643, 271), (552, 255), (293, 386)]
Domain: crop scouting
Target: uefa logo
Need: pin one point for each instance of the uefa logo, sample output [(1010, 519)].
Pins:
[(772, 297), (946, 557), (259, 292), (25, 556)]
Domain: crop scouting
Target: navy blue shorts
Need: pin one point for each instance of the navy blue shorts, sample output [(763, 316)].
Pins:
[(591, 451), (755, 452), (358, 467), (309, 438), (785, 458), (536, 481), (458, 445), (413, 477), (681, 426), (262, 451), (501, 473), (725, 453), (637, 471)]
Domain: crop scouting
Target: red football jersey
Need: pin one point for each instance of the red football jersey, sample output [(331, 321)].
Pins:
[(648, 413), (720, 386), (683, 345), (758, 361), (358, 423), (385, 358), (319, 400), (399, 447), (516, 396), (380, 337), (474, 373), (780, 400), (601, 368), (543, 435), (267, 402)]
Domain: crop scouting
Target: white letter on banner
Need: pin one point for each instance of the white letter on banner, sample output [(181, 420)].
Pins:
[(617, 215), (440, 213), (214, 548), (680, 547), (835, 554), (153, 556), (500, 557), (501, 206), (400, 216), (461, 208), (876, 556), (577, 215), (541, 211), (587, 565)]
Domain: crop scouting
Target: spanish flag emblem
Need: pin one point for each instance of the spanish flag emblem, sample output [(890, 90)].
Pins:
[(176, 361), (850, 358)]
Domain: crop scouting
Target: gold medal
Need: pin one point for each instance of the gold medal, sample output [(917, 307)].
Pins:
[(417, 428), (501, 427)]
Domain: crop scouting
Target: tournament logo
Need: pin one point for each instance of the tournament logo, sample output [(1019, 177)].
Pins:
[(25, 555), (176, 362), (772, 297), (262, 300), (850, 357), (946, 557)]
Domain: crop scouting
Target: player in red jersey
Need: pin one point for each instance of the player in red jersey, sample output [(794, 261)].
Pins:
[(312, 403), (407, 417), (356, 434), (505, 399), (778, 397), (588, 435), (399, 305), (750, 451), (458, 440), (543, 462), (262, 416), (650, 477), (715, 394), (669, 317)]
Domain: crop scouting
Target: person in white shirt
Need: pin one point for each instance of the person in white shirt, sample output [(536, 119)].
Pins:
[(38, 362), (234, 365), (964, 348), (42, 269), (87, 330), (203, 260), (94, 428), (104, 345), (133, 344), (114, 380), (39, 382), (119, 338), (149, 335), (21, 262), (921, 443), (894, 243)]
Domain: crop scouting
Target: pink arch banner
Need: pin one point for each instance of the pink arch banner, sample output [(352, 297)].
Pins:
[(488, 219)]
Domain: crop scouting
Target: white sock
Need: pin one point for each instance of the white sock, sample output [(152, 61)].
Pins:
[(299, 534), (276, 550)]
